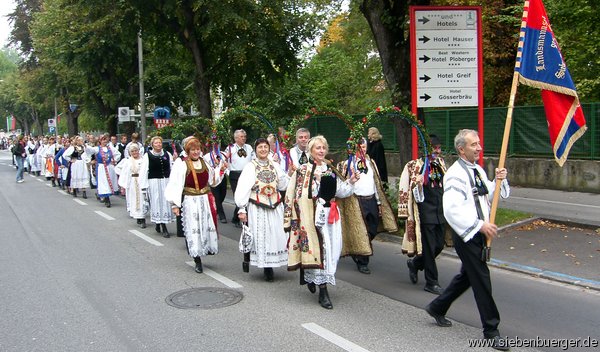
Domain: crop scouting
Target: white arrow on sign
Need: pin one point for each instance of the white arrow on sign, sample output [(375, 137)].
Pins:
[(449, 78)]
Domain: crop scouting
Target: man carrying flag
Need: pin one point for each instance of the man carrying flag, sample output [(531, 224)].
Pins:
[(539, 64)]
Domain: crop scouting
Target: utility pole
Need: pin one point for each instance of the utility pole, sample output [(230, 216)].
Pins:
[(142, 98)]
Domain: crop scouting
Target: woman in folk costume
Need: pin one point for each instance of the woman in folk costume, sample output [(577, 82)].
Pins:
[(63, 164), (156, 167), (40, 157), (131, 181), (192, 178), (31, 149), (49, 154), (106, 159), (78, 177), (314, 221), (260, 203)]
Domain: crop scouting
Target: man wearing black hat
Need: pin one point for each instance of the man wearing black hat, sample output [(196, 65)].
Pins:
[(427, 191)]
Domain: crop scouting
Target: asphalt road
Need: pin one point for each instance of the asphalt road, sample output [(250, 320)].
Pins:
[(75, 278)]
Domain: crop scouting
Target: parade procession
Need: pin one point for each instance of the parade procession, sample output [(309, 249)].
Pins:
[(365, 192)]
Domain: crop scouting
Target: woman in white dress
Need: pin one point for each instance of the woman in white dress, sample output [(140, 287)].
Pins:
[(78, 175), (106, 159), (260, 203), (156, 166), (315, 243), (132, 181), (191, 177)]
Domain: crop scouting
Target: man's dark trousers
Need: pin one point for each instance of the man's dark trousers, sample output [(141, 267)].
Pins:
[(219, 193), (370, 213), (234, 176), (432, 242), (473, 273)]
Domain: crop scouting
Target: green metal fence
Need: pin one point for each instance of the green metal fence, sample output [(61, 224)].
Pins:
[(529, 131)]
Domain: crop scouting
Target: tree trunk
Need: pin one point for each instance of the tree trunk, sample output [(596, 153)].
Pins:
[(388, 21), (194, 45)]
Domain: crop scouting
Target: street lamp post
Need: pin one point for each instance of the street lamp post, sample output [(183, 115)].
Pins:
[(142, 99)]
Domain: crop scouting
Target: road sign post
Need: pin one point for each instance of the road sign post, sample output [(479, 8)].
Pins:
[(446, 59)]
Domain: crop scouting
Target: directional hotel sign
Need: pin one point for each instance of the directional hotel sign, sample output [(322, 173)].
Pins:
[(446, 56)]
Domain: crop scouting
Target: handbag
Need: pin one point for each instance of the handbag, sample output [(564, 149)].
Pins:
[(246, 239)]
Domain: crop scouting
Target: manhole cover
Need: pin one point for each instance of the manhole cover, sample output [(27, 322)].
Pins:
[(204, 298)]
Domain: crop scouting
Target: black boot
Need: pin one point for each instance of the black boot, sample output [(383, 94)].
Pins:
[(53, 183), (246, 263), (198, 267), (107, 202), (84, 195), (165, 232), (324, 300), (98, 197), (157, 228), (142, 223), (311, 287), (74, 192), (268, 274)]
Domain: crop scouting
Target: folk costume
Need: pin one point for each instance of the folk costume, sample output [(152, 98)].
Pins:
[(106, 159), (63, 167), (238, 157), (320, 223), (369, 195), (32, 147), (79, 176), (467, 194), (193, 179), (257, 194), (429, 223), (156, 168), (133, 180), (298, 156)]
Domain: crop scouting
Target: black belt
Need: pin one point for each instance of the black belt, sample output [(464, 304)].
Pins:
[(365, 197)]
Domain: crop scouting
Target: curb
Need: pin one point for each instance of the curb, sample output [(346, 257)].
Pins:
[(514, 267)]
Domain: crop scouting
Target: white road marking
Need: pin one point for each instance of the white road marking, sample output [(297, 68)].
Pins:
[(333, 338), (225, 281), (556, 202), (63, 192), (146, 238), (80, 202), (49, 185), (39, 179), (104, 215)]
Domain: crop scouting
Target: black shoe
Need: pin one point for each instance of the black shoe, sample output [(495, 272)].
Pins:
[(165, 232), (440, 320), (143, 223), (157, 228), (74, 193), (499, 343), (223, 220), (107, 202), (363, 269), (84, 195), (198, 267), (53, 183), (413, 273), (311, 287), (435, 289), (269, 274), (324, 300), (246, 267)]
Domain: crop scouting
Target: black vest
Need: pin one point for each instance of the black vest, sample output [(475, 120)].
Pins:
[(158, 165)]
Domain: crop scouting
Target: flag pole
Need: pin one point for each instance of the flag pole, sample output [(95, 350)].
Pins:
[(502, 159)]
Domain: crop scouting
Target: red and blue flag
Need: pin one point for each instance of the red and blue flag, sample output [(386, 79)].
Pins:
[(541, 65)]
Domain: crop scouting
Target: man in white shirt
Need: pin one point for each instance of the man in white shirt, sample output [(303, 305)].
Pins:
[(370, 204), (466, 209), (237, 156), (298, 153)]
